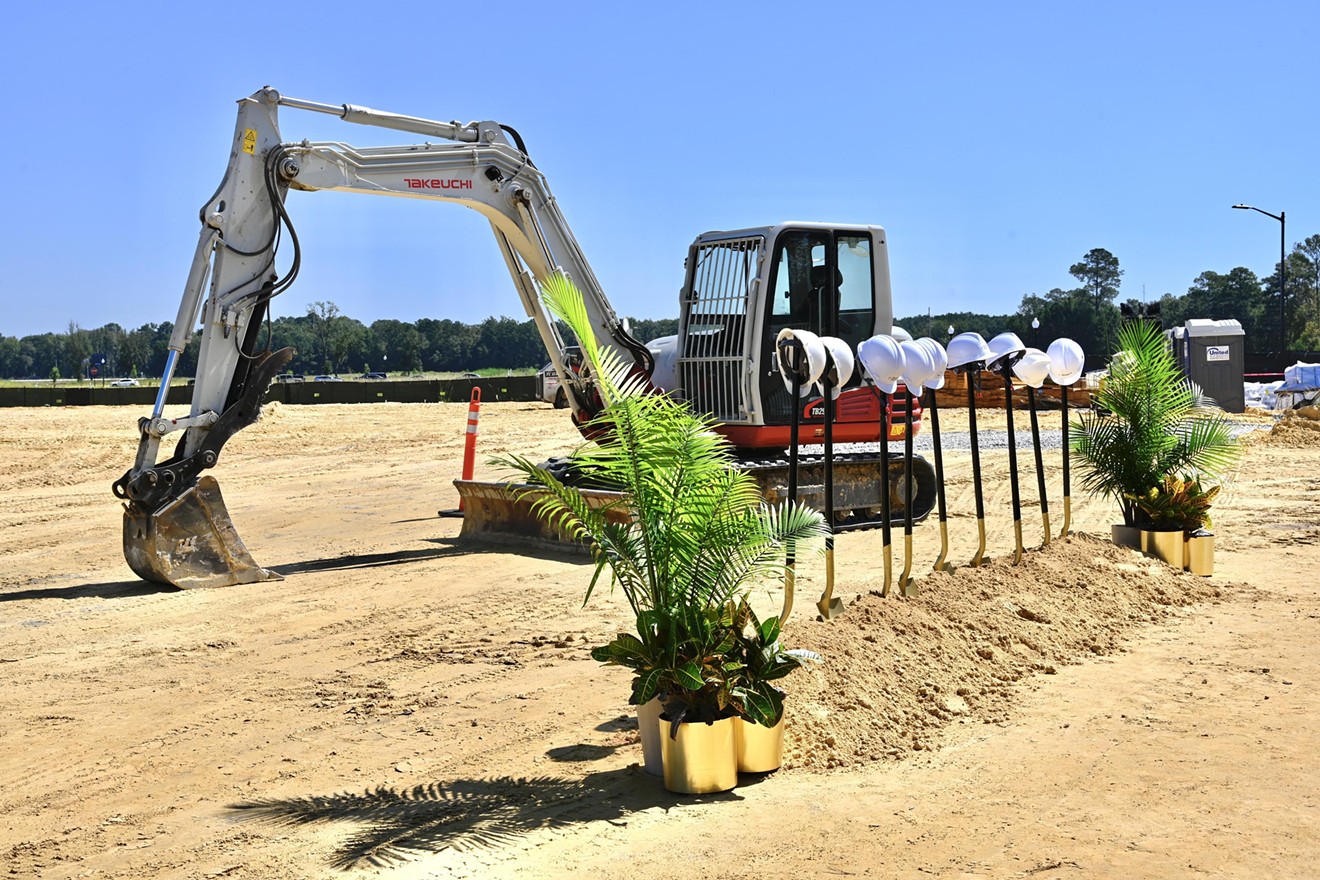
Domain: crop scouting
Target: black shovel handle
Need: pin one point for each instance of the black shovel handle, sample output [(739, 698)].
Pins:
[(1063, 396), (934, 408), (907, 462), (884, 465), (976, 447), (1035, 442), (1012, 442), (829, 465)]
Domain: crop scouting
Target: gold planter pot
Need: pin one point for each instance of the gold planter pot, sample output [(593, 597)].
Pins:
[(1199, 554), (1125, 536), (1165, 546), (648, 725), (701, 759), (760, 748)]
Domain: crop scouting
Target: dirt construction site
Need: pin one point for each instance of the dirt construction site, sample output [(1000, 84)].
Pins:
[(408, 704)]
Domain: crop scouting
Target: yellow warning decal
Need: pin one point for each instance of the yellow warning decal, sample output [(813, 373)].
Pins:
[(250, 141)]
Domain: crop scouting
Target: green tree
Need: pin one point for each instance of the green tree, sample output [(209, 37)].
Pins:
[(1069, 313), (645, 329), (135, 350), (1309, 250), (936, 326), (347, 336), (76, 349), (321, 314), (1099, 272), (1237, 295), (11, 357)]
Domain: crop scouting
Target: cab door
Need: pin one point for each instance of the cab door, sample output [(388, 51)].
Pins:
[(821, 280)]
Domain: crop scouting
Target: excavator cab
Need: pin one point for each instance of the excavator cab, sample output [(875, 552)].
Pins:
[(744, 287)]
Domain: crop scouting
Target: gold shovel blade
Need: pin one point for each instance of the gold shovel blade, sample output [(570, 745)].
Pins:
[(830, 605), (190, 542)]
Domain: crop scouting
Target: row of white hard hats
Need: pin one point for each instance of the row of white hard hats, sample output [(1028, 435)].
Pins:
[(1063, 363), (898, 358)]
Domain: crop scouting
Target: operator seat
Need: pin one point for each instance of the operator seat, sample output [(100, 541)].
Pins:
[(823, 301)]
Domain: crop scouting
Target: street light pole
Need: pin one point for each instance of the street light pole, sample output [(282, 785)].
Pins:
[(1283, 272)]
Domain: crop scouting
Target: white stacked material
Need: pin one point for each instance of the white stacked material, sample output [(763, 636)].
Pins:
[(1261, 395)]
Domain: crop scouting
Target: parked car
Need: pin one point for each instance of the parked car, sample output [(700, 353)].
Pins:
[(373, 375), (327, 379), (124, 383), (289, 377)]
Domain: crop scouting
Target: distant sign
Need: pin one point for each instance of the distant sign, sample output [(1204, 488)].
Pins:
[(1216, 353)]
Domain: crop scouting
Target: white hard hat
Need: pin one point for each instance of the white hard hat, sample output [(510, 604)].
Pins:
[(967, 350), (940, 358), (1005, 345), (882, 359), (839, 368), (809, 372), (1033, 367), (899, 333), (918, 365), (1066, 361)]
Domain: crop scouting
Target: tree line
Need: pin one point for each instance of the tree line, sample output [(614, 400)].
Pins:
[(325, 341), (1091, 313), (329, 342)]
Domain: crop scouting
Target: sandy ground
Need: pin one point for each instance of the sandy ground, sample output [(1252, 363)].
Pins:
[(404, 704)]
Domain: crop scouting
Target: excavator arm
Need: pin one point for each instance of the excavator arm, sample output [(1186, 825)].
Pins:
[(176, 527)]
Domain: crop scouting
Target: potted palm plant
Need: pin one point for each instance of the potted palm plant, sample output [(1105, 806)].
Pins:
[(684, 542), (1148, 421)]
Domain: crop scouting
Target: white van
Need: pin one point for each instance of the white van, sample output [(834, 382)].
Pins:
[(548, 387)]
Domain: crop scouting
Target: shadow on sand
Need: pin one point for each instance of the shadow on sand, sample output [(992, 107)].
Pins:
[(466, 814), (447, 548), (112, 590)]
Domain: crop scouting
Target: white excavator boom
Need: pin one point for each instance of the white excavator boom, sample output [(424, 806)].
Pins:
[(176, 527)]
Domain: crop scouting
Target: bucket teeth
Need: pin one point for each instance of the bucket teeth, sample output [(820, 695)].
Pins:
[(190, 542)]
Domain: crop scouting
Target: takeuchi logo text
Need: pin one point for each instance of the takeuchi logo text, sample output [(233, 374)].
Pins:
[(432, 183)]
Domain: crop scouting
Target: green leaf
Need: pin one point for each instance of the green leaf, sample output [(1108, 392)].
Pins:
[(763, 705), (647, 686), (689, 676)]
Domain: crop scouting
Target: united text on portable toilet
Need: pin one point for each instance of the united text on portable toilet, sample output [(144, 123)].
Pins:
[(1213, 355)]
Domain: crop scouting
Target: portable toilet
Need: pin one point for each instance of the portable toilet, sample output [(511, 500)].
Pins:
[(1213, 355)]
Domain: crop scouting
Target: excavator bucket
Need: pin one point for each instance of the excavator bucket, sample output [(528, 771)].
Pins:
[(190, 542)]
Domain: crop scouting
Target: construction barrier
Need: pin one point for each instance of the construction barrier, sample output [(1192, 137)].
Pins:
[(521, 388), (470, 443)]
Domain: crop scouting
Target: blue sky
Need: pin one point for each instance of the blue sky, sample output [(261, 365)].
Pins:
[(996, 143)]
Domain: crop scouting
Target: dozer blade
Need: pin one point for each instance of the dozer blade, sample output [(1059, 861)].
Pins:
[(190, 542), (502, 513)]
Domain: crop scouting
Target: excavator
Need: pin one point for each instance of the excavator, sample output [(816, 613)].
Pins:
[(741, 289)]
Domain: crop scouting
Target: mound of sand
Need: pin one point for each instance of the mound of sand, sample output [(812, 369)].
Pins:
[(1299, 428), (899, 670)]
